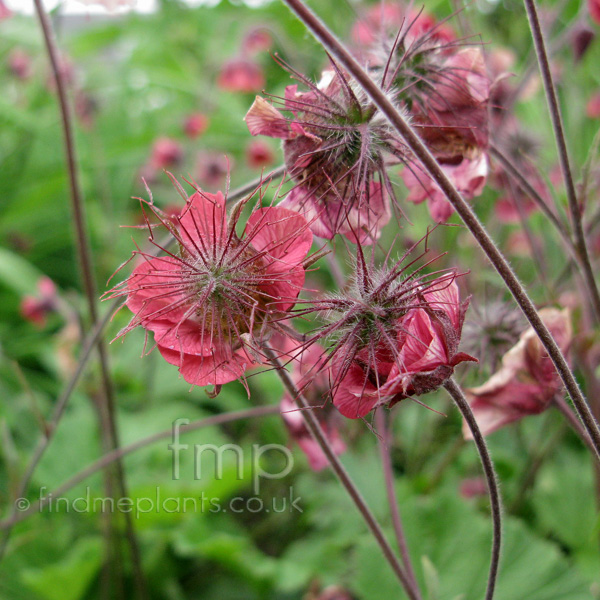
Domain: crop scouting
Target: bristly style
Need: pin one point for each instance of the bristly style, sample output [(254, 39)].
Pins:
[(393, 333), (443, 84), (210, 303), (337, 147)]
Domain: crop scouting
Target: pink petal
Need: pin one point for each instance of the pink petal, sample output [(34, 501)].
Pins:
[(263, 119), (156, 290), (217, 369), (203, 224)]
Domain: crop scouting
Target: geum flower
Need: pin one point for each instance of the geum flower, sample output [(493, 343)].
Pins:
[(394, 335), (337, 147), (445, 87), (313, 382), (526, 383), (210, 304)]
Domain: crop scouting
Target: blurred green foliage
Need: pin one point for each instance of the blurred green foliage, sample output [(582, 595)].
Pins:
[(145, 74)]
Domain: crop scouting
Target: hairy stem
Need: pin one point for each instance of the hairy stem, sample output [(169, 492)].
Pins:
[(106, 400), (388, 472), (379, 98), (559, 135), (315, 430), (490, 477), (120, 453)]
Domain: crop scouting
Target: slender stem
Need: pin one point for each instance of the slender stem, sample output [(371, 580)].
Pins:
[(381, 100), (388, 472), (562, 405), (120, 453), (107, 404), (315, 430), (574, 207), (88, 345), (524, 184), (490, 476), (59, 409), (536, 460)]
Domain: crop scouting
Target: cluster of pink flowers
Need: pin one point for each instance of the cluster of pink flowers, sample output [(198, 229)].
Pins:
[(390, 333)]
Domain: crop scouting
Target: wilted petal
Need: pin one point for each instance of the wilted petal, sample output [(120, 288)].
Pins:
[(264, 119)]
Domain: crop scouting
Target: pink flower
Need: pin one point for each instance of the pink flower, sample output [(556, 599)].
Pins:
[(451, 114), (594, 8), (256, 41), (19, 63), (195, 125), (36, 309), (592, 108), (418, 359), (385, 20), (468, 176), (334, 145), (206, 304), (313, 382), (166, 152), (212, 168), (473, 487), (259, 154), (527, 381), (241, 75)]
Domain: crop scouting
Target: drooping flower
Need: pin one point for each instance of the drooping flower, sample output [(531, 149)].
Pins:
[(256, 40), (37, 308), (195, 125), (452, 119), (212, 168), (313, 383), (336, 146), (166, 152), (527, 381), (207, 303), (394, 335), (241, 75), (259, 154), (445, 88)]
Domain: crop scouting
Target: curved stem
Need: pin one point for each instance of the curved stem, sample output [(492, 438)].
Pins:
[(119, 453), (574, 208), (522, 182), (490, 476), (315, 430), (388, 472), (379, 98), (575, 424)]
